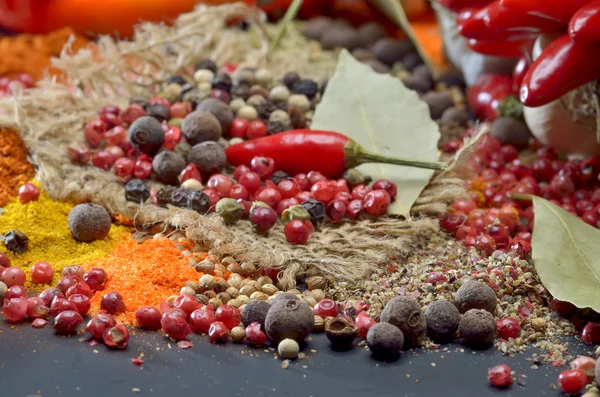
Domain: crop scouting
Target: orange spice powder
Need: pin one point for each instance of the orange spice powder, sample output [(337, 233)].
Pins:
[(144, 274)]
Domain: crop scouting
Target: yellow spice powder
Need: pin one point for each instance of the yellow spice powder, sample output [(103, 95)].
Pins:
[(45, 222)]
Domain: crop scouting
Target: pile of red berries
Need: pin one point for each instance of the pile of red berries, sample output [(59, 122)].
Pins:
[(21, 81), (300, 201), (66, 304), (496, 217)]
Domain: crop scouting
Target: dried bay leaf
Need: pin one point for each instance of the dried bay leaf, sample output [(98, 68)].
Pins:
[(566, 255), (385, 117)]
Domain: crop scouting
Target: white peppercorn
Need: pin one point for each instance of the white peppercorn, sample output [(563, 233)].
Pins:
[(300, 102), (256, 100), (288, 349), (263, 76), (192, 184), (247, 112), (203, 76), (279, 93), (236, 104)]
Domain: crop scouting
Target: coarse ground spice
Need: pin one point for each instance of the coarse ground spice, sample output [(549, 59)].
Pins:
[(15, 170), (518, 288), (28, 53), (45, 223), (144, 274)]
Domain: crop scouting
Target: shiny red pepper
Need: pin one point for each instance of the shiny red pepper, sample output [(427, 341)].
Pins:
[(501, 18), (487, 93), (563, 66), (301, 151), (585, 23), (519, 72), (459, 5), (471, 24), (559, 10), (507, 49)]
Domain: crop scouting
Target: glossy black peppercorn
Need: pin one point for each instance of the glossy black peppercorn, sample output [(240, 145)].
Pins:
[(163, 195), (176, 80), (290, 78), (207, 64), (136, 190), (16, 241), (316, 209), (222, 81), (279, 176), (159, 112), (190, 199), (306, 87), (146, 135)]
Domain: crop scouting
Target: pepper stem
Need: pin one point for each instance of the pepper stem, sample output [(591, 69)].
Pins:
[(356, 155)]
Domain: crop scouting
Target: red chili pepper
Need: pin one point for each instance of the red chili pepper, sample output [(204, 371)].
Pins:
[(471, 24), (501, 18), (559, 10), (459, 5), (585, 23), (487, 93), (508, 49), (301, 151), (563, 66), (519, 72)]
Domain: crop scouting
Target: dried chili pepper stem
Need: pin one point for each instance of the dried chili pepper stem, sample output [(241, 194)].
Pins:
[(302, 151), (356, 155)]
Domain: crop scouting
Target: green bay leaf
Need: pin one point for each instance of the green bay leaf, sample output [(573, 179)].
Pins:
[(385, 117), (566, 255)]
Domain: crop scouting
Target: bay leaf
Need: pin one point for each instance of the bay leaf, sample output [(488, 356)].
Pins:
[(385, 117), (566, 255)]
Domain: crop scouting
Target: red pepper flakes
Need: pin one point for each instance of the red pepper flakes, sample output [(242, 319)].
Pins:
[(144, 274)]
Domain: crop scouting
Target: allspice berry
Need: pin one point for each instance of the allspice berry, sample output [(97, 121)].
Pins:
[(89, 222), (390, 51), (454, 115), (146, 135), (340, 332), (477, 327), (405, 313), (201, 126), (208, 156), (288, 349), (511, 131), (475, 295), (438, 102), (284, 296), (340, 36), (385, 340), (255, 311), (369, 33), (168, 165), (220, 110), (289, 319), (442, 320), (315, 27)]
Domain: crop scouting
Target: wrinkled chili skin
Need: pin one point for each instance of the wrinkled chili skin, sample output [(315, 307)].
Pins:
[(585, 24), (295, 152), (563, 66)]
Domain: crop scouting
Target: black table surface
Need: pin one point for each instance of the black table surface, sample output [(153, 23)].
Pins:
[(36, 362)]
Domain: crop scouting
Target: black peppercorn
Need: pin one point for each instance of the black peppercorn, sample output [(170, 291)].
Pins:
[(240, 91), (279, 176), (265, 109), (136, 190), (220, 110), (411, 61), (290, 78), (138, 100), (307, 88), (190, 199), (176, 80), (207, 64), (316, 209), (163, 195), (159, 112), (222, 81), (16, 241), (146, 135)]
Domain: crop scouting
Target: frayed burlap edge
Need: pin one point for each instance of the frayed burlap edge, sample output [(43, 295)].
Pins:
[(51, 116)]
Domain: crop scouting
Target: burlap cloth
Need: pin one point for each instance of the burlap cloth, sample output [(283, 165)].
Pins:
[(52, 115)]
